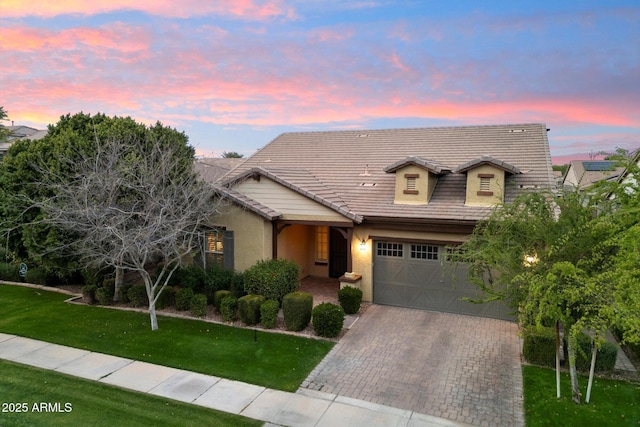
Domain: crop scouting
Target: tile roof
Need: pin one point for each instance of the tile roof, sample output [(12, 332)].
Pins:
[(486, 160), (585, 173), (213, 169), (429, 165), (349, 168)]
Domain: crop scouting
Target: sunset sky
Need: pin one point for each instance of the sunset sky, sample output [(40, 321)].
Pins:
[(234, 74)]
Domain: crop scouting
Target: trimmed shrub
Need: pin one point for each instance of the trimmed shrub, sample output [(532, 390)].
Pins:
[(93, 276), (296, 308), (183, 298), (328, 319), (109, 283), (137, 295), (218, 296), (229, 308), (104, 296), (273, 278), (539, 346), (605, 357), (37, 276), (193, 277), (124, 292), (9, 272), (198, 305), (350, 299), (249, 308), (269, 313), (217, 279), (89, 294), (167, 298)]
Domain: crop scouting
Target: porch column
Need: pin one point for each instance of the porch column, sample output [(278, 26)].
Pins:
[(349, 258)]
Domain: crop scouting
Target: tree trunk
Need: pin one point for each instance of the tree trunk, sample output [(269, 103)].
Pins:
[(152, 315), (119, 282), (594, 352), (572, 342)]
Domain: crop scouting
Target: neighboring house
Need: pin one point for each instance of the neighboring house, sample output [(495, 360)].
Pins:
[(383, 204), (582, 174), (19, 132), (214, 168)]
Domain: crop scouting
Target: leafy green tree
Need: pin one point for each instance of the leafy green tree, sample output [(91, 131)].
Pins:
[(4, 132), (231, 155), (566, 258), (117, 193)]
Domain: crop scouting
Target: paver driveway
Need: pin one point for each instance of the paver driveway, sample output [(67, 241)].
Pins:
[(462, 368)]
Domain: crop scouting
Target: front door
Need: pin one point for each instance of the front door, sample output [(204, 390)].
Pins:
[(337, 253)]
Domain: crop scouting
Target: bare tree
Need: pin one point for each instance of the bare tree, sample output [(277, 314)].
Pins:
[(132, 204)]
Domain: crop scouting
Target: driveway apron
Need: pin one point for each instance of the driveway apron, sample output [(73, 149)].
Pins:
[(462, 368)]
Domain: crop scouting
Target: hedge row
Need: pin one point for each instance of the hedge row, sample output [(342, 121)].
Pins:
[(539, 348)]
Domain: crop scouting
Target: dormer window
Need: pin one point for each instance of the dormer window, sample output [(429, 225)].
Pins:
[(411, 183), (486, 177), (416, 179)]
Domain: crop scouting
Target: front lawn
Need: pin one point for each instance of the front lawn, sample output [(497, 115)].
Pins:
[(272, 360), (36, 397), (613, 403)]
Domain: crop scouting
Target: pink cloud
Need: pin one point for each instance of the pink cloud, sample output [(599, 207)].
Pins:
[(244, 9), (116, 36)]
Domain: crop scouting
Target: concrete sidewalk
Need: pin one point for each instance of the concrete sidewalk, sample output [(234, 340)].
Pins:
[(305, 408)]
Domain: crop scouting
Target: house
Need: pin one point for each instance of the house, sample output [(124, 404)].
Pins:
[(214, 168), (383, 205), (19, 132), (582, 174)]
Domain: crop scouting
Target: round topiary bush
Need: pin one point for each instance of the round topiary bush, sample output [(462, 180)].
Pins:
[(269, 313), (89, 294), (198, 305), (328, 319), (218, 296), (104, 296), (183, 298), (137, 296), (296, 308), (229, 308), (350, 299), (273, 278), (249, 308)]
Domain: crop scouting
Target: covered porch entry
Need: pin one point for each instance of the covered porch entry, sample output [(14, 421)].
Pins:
[(321, 249)]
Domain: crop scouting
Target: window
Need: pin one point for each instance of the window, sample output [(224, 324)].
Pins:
[(214, 248), (424, 252), (389, 249), (322, 244), (411, 183)]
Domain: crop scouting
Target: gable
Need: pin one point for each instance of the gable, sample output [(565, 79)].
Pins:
[(485, 186), (291, 204)]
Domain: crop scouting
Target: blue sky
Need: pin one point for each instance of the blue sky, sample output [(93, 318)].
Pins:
[(235, 74)]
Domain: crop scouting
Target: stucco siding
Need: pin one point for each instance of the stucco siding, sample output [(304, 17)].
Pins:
[(252, 235), (497, 186)]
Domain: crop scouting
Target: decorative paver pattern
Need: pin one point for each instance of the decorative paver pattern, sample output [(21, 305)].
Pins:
[(457, 367)]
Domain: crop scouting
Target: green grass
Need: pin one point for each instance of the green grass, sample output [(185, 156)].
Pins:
[(613, 403), (276, 361), (88, 403)]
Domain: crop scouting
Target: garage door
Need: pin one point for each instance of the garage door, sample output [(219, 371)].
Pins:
[(416, 275)]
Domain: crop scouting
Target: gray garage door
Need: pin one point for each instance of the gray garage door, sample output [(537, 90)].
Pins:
[(416, 275)]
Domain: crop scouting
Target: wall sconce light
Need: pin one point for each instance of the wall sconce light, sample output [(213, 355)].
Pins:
[(530, 260), (363, 245)]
